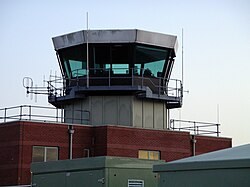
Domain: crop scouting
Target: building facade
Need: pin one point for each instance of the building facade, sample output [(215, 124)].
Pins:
[(25, 141), (116, 94)]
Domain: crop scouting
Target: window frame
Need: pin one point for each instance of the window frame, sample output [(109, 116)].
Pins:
[(148, 154), (45, 151)]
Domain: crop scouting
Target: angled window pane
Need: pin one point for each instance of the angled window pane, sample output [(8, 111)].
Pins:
[(120, 68)]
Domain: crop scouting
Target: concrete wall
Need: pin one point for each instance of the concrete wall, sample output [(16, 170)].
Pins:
[(149, 114), (118, 110)]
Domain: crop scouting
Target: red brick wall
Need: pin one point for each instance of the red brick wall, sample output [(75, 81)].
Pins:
[(205, 144), (127, 142), (18, 138), (9, 155), (172, 145)]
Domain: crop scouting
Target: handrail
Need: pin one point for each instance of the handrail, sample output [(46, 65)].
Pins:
[(40, 113), (195, 127), (79, 79)]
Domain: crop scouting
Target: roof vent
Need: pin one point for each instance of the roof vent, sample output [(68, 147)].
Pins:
[(135, 183)]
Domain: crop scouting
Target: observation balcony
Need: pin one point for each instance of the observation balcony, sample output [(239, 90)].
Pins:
[(101, 81)]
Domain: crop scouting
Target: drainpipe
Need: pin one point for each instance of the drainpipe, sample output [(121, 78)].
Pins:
[(193, 140), (71, 132)]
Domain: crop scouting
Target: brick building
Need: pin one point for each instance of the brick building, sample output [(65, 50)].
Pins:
[(116, 95), (18, 138)]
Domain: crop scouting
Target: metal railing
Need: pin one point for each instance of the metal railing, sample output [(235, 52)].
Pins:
[(129, 77), (194, 127), (40, 113)]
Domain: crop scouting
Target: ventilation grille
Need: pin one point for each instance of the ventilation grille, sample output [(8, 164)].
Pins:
[(135, 183)]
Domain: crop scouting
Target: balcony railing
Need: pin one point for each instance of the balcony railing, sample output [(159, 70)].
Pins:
[(107, 77), (40, 113), (194, 127)]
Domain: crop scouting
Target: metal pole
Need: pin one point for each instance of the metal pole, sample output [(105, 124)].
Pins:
[(182, 51), (21, 111), (133, 76), (56, 114), (194, 144), (87, 42), (109, 77), (71, 132), (218, 130), (30, 112), (5, 113)]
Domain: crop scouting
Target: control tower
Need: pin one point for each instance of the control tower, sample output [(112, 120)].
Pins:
[(117, 77)]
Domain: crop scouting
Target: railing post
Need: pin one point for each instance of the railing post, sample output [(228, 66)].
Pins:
[(159, 87), (176, 90), (56, 114), (62, 114), (132, 76), (5, 113), (77, 78), (218, 130), (21, 111), (142, 77), (109, 77), (194, 128), (30, 112)]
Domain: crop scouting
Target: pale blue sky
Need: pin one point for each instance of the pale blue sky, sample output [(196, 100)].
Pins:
[(216, 49)]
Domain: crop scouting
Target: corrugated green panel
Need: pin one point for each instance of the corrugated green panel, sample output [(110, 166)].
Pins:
[(206, 178), (93, 178), (49, 180)]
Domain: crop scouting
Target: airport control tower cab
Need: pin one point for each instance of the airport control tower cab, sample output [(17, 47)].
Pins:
[(117, 77)]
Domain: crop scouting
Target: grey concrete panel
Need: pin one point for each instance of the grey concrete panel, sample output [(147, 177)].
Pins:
[(148, 117), (165, 116), (110, 110), (158, 115), (125, 106), (96, 112), (137, 113), (77, 112), (68, 113)]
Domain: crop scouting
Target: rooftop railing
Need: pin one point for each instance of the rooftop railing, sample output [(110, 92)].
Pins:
[(40, 113), (195, 127), (52, 114)]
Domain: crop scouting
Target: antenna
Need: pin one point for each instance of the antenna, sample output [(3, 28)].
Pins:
[(87, 43), (218, 113), (182, 64)]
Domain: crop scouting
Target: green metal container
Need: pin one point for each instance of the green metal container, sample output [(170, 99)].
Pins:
[(95, 172), (223, 168)]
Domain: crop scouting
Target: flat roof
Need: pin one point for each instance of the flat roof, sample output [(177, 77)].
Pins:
[(116, 36)]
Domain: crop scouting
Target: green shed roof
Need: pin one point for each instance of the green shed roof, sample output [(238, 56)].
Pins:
[(236, 157), (91, 164)]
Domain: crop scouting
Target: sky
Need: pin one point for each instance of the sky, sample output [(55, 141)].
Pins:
[(216, 44)]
